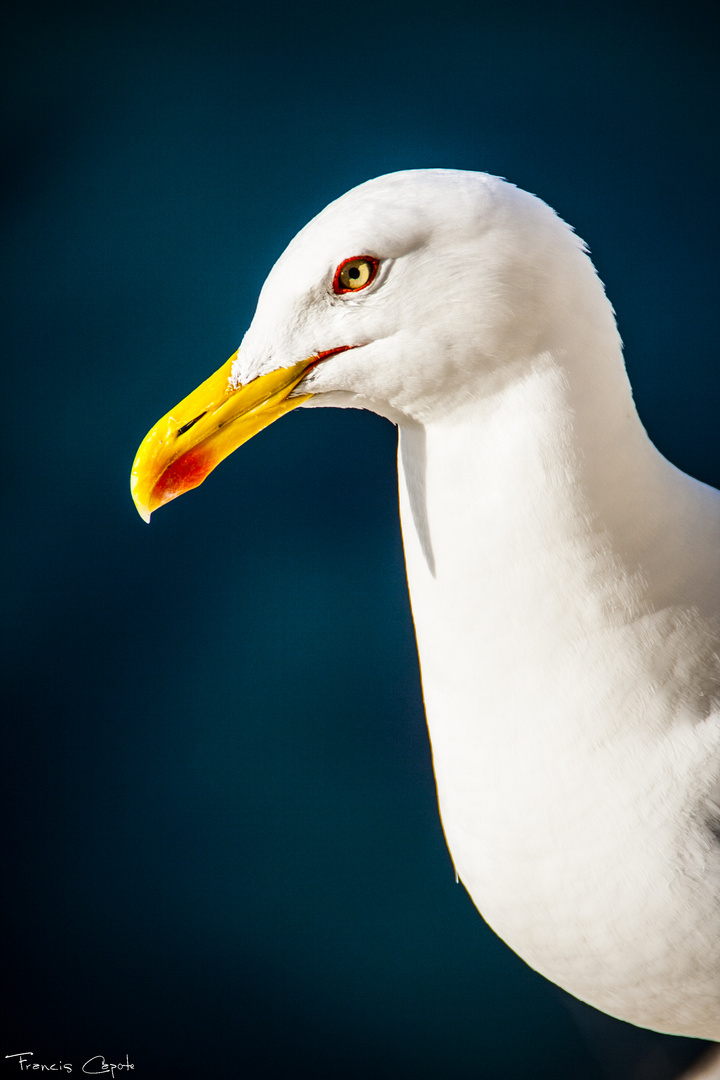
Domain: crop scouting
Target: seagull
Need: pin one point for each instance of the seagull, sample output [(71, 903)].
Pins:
[(563, 575)]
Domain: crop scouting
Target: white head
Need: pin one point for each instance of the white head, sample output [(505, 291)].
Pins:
[(465, 286), (475, 278)]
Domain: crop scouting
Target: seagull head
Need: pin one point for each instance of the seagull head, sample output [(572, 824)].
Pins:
[(411, 295)]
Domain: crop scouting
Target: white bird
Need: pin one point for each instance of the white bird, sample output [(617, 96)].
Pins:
[(563, 575)]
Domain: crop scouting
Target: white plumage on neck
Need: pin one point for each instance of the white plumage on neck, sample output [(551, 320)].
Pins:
[(566, 701), (563, 576)]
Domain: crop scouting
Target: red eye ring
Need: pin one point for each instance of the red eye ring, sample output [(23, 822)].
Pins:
[(360, 268)]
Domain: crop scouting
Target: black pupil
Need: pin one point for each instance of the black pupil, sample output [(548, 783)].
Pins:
[(353, 272)]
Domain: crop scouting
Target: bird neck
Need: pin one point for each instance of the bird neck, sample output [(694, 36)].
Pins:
[(555, 461), (533, 521)]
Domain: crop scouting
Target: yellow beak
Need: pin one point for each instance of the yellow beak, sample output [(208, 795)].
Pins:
[(207, 425)]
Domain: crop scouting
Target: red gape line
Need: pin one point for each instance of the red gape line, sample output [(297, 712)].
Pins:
[(328, 352)]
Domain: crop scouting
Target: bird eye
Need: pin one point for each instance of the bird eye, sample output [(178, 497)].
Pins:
[(354, 274)]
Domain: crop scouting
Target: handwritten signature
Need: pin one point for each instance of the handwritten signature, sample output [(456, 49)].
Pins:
[(94, 1066)]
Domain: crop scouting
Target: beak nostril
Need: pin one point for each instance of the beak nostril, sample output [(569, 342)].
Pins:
[(190, 423)]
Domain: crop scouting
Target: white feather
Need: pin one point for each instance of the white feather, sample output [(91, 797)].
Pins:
[(563, 575)]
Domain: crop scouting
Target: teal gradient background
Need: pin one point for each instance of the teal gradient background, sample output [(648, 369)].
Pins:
[(222, 849)]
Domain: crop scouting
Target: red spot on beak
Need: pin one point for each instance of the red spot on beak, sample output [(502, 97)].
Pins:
[(186, 472)]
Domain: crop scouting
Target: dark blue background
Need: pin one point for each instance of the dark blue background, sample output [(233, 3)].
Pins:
[(223, 855)]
